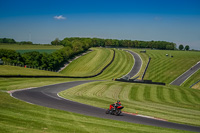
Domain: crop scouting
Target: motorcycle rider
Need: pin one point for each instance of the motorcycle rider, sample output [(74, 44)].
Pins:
[(115, 105)]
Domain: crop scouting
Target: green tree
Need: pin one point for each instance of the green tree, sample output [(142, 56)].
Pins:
[(187, 47), (180, 47), (56, 42)]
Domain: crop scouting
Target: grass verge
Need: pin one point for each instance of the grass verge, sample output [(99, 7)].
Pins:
[(19, 116), (176, 104)]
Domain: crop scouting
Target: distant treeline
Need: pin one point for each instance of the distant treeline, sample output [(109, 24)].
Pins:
[(72, 47), (116, 43), (12, 41), (45, 61)]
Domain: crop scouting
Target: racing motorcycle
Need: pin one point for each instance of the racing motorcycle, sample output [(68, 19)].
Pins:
[(114, 109)]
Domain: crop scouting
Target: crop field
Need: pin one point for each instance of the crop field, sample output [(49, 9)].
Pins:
[(165, 69), (28, 47), (172, 103)]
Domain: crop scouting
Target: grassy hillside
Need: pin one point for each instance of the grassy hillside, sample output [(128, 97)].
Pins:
[(89, 64), (14, 70), (173, 103), (163, 68), (121, 65), (19, 116), (28, 47), (177, 104)]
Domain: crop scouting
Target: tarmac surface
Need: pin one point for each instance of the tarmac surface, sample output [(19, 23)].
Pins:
[(48, 96), (181, 79), (137, 64)]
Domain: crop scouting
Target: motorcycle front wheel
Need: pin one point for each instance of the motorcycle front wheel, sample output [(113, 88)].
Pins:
[(107, 111)]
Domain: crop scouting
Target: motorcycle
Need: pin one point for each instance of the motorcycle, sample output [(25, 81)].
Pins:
[(114, 110)]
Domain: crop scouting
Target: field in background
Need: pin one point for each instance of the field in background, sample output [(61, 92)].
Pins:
[(28, 47), (37, 50), (165, 69), (15, 70), (172, 103)]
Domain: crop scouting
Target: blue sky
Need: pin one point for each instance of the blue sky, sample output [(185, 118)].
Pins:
[(41, 21)]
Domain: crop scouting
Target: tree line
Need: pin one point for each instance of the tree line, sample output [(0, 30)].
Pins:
[(72, 47), (45, 61), (12, 41), (116, 43)]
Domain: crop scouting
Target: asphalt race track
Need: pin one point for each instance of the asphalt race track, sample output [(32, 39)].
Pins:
[(137, 65), (48, 96), (186, 75)]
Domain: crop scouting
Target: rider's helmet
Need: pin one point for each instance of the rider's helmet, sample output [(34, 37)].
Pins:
[(118, 102)]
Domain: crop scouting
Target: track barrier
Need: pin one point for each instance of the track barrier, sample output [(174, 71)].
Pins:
[(140, 81)]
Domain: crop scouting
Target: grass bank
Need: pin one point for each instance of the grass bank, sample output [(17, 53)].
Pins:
[(19, 116), (89, 64), (165, 69), (176, 104)]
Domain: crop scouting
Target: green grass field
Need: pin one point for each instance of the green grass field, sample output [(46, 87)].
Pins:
[(163, 68), (29, 47), (121, 65), (15, 70), (19, 116), (89, 64), (176, 104), (37, 50)]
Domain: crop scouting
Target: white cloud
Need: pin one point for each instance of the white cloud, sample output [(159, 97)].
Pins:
[(59, 17)]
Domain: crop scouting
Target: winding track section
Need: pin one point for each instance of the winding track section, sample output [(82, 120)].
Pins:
[(48, 96), (137, 65), (181, 79)]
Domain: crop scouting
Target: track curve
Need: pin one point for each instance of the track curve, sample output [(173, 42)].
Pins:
[(181, 79), (137, 64), (48, 96)]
